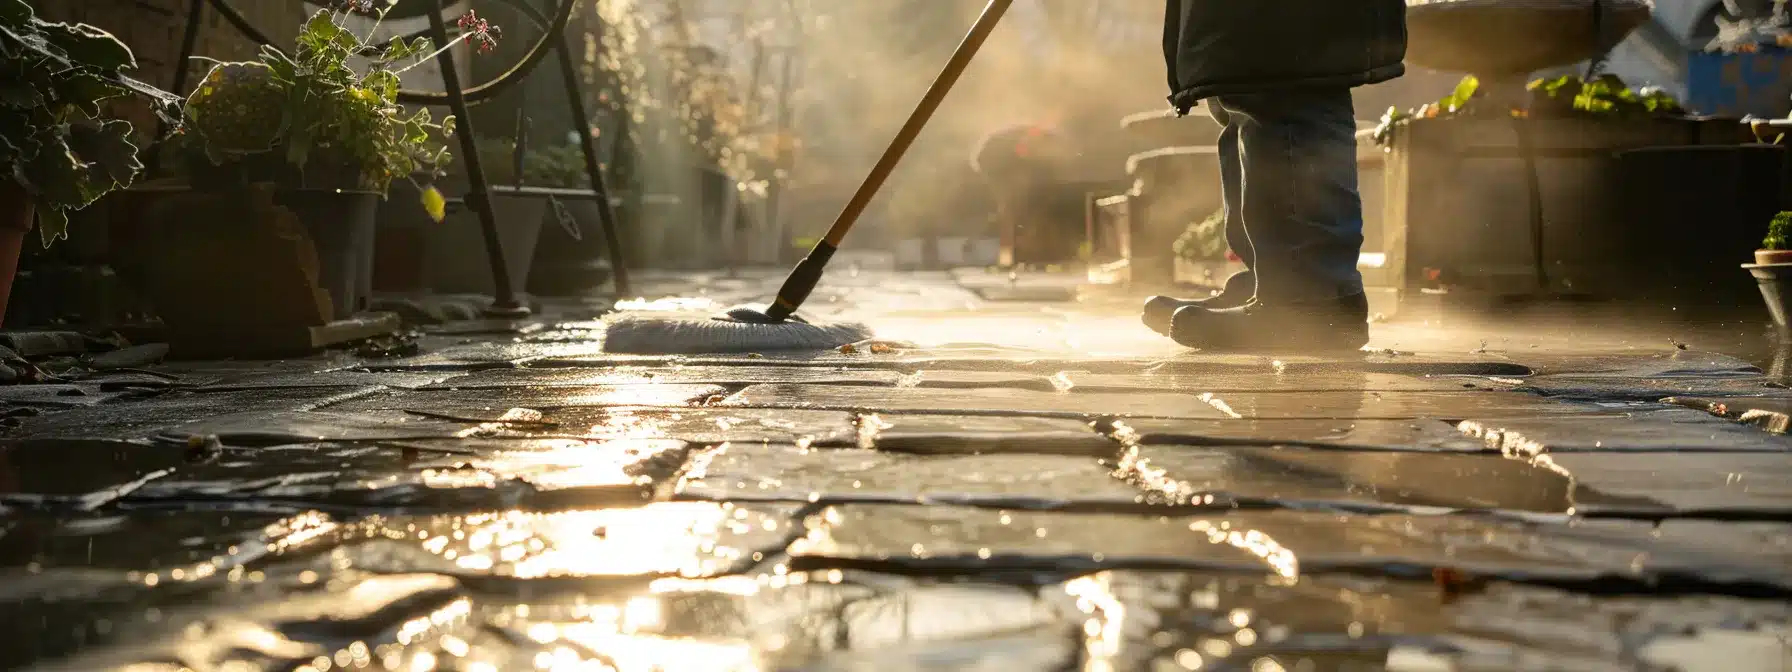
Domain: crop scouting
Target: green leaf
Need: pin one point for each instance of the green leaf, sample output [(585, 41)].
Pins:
[(319, 34), (85, 91), (88, 45), (107, 150), (55, 176), (382, 82), (1466, 88), (52, 224)]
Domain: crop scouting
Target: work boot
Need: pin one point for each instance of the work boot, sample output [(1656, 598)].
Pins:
[(1331, 325), (1238, 291)]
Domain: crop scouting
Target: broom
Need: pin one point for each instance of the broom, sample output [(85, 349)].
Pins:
[(777, 327)]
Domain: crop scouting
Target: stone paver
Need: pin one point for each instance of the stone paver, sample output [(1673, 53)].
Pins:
[(1354, 433), (956, 401), (1024, 484), (982, 434), (682, 375), (1648, 429), (792, 474)]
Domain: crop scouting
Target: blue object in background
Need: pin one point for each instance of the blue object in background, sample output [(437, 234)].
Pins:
[(1736, 85)]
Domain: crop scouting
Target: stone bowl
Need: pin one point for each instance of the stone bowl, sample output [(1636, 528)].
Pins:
[(1511, 38)]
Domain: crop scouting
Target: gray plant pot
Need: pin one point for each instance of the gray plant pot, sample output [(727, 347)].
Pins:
[(341, 225), (457, 259), (1775, 281), (571, 259)]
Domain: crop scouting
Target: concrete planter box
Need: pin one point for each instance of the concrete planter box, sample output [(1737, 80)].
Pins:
[(1456, 204)]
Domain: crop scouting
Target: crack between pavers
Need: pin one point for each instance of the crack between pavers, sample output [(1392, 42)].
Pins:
[(1674, 583)]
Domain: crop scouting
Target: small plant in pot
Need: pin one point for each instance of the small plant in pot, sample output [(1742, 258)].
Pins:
[(57, 151), (331, 138), (1772, 270)]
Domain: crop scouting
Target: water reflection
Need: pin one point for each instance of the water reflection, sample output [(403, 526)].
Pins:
[(685, 539)]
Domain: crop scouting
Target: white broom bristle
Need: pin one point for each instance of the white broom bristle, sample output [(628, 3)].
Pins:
[(661, 333)]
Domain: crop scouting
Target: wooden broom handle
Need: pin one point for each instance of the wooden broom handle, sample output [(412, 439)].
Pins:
[(808, 272), (917, 120)]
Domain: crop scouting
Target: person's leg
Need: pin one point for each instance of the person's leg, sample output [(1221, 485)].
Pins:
[(1240, 287), (1301, 209), (1232, 195), (1302, 219)]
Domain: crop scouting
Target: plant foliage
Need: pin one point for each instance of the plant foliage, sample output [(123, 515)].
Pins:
[(1604, 96), (1203, 240), (1779, 232), (54, 143), (317, 113)]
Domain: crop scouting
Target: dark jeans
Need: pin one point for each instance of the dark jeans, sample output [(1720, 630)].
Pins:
[(1288, 170)]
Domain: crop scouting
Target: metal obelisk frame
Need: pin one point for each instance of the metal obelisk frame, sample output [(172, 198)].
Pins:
[(459, 99)]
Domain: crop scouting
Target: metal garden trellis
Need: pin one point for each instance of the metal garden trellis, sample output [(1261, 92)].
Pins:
[(458, 100)]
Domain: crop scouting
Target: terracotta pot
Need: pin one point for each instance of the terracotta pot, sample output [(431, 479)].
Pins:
[(1773, 257), (15, 222)]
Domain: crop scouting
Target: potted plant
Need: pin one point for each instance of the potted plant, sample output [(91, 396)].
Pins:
[(56, 149), (457, 260), (572, 257), (330, 136), (1773, 268)]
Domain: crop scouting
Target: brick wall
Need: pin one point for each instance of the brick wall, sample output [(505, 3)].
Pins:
[(153, 29)]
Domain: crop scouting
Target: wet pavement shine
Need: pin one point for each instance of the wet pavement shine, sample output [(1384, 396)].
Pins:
[(1009, 480)]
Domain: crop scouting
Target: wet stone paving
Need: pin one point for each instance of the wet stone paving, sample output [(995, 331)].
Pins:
[(1006, 480)]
